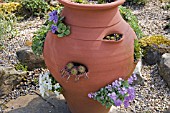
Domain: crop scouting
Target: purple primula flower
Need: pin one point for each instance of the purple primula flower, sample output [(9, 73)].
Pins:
[(53, 16), (117, 102), (130, 80), (131, 90), (90, 95), (113, 96), (123, 91), (134, 77), (54, 28), (109, 87), (126, 98), (55, 20), (126, 104), (131, 97), (116, 83)]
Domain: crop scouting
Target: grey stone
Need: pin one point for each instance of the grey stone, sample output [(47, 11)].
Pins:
[(35, 104), (137, 71), (164, 67), (27, 57), (152, 56), (9, 78)]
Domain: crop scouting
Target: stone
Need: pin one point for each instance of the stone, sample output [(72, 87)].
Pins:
[(164, 67), (26, 57), (137, 71), (152, 56), (9, 78), (36, 104)]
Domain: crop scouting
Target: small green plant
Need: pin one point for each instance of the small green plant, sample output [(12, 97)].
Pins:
[(36, 7), (19, 66), (7, 22), (132, 20), (115, 37), (139, 2), (76, 70), (137, 50), (57, 25), (38, 40)]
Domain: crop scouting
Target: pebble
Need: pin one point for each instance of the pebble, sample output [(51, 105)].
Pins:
[(153, 18)]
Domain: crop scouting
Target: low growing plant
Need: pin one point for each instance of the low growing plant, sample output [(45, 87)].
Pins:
[(47, 84), (19, 66), (56, 24), (132, 20), (38, 40), (137, 50), (8, 8), (154, 40), (118, 93), (7, 23), (139, 2), (154, 43), (36, 7)]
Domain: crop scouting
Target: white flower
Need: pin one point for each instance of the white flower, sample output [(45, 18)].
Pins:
[(45, 84), (56, 93), (42, 90), (57, 85)]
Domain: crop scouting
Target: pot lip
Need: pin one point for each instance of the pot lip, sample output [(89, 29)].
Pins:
[(68, 3)]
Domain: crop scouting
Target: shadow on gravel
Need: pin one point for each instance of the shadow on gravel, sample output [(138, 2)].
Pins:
[(38, 105)]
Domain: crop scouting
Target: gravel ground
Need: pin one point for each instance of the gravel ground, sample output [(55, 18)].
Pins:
[(153, 18), (152, 97)]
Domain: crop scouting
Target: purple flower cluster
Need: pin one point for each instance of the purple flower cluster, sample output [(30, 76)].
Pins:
[(119, 92), (132, 78), (53, 16)]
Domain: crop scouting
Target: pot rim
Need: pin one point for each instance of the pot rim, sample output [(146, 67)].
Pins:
[(68, 3)]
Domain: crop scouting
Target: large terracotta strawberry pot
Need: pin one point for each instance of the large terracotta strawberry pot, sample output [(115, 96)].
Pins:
[(106, 60)]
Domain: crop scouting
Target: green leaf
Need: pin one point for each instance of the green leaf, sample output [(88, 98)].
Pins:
[(67, 32), (59, 30), (60, 25), (125, 84), (64, 27), (60, 35)]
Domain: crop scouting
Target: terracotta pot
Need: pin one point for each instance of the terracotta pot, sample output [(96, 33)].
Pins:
[(107, 60)]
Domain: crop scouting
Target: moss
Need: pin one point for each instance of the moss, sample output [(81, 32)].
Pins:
[(154, 40), (157, 43), (8, 8), (19, 66)]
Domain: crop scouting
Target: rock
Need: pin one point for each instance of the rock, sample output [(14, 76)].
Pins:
[(27, 57), (152, 56), (9, 78), (137, 71), (164, 67), (35, 104)]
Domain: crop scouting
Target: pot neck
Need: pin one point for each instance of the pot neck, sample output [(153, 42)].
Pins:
[(68, 3), (91, 18)]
